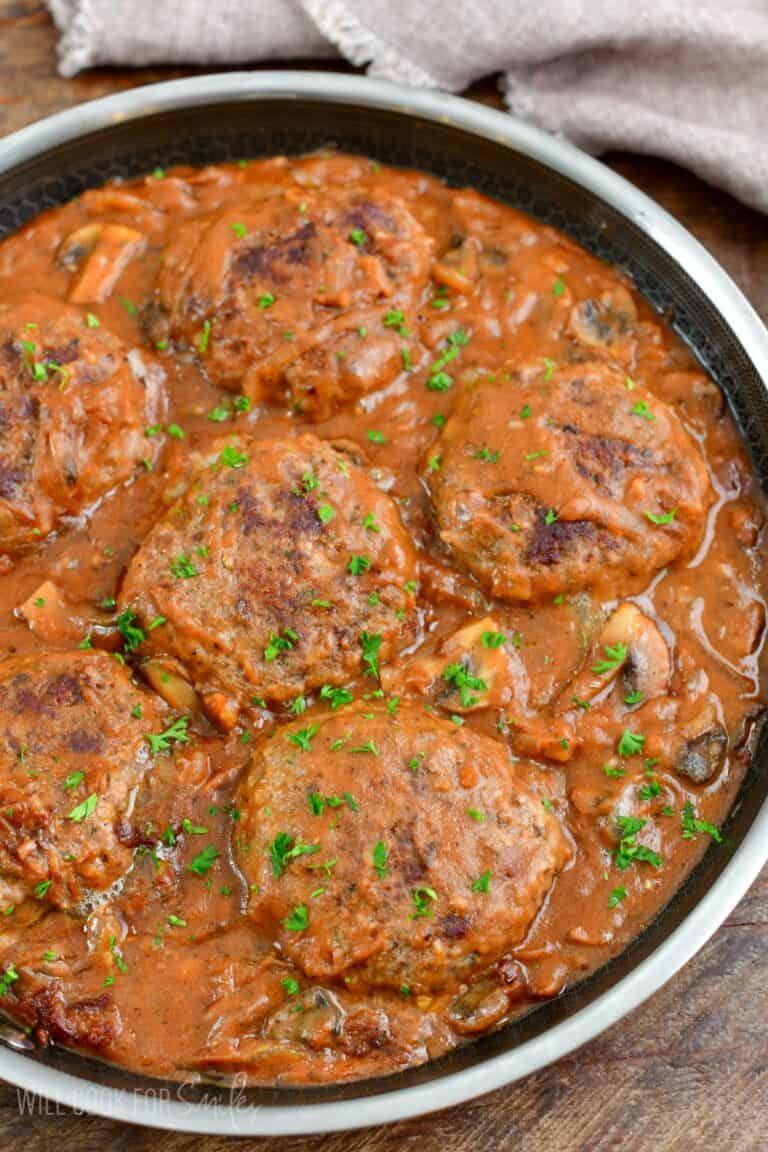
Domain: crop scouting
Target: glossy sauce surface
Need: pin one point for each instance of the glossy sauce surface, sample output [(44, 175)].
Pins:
[(563, 598)]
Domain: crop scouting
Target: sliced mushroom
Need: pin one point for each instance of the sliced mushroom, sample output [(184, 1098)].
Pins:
[(319, 1024), (457, 268), (170, 681), (478, 1009), (101, 253), (629, 645), (701, 756), (49, 615), (603, 320), (473, 669)]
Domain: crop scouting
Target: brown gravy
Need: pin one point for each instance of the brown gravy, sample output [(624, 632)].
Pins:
[(633, 731)]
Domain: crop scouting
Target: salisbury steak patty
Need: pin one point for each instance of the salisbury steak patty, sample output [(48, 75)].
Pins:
[(74, 404), (297, 296), (422, 890), (73, 749), (281, 567), (550, 479)]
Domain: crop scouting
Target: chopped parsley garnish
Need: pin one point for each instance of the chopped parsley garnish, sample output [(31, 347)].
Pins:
[(558, 287), (91, 320), (132, 634), (629, 851), (549, 367), (82, 811), (231, 458), (633, 697), (303, 739), (266, 300), (483, 882), (641, 409), (129, 306), (239, 229), (486, 455), (358, 564), (440, 381), (476, 814), (219, 414), (617, 895), (692, 825), (42, 888), (283, 849), (396, 319), (380, 856), (661, 518), (203, 862), (175, 733), (10, 976), (649, 790), (278, 644), (550, 517), (183, 568), (73, 780), (376, 437), (368, 747), (615, 655), (204, 338), (176, 921), (358, 237), (371, 644), (298, 919), (422, 898), (290, 986), (457, 675), (630, 744), (337, 697), (612, 772), (325, 513)]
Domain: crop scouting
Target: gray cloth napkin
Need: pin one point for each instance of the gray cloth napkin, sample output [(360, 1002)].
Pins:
[(685, 81)]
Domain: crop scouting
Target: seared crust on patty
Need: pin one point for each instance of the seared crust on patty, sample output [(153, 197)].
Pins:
[(272, 568), (284, 296), (73, 750), (554, 479), (74, 406), (423, 889)]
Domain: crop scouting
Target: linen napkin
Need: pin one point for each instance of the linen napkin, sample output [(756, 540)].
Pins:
[(688, 82)]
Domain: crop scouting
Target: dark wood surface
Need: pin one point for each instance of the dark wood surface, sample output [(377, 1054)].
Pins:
[(689, 1070)]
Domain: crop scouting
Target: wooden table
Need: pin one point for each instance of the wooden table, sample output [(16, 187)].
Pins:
[(690, 1069)]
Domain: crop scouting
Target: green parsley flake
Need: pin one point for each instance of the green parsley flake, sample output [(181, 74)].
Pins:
[(284, 848), (483, 882), (176, 733), (380, 856), (692, 825), (82, 811), (204, 860), (630, 744), (629, 851), (615, 655)]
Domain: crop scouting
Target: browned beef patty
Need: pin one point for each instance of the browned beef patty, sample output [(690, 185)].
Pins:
[(421, 890), (548, 479), (281, 567), (73, 750), (297, 296), (74, 406)]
